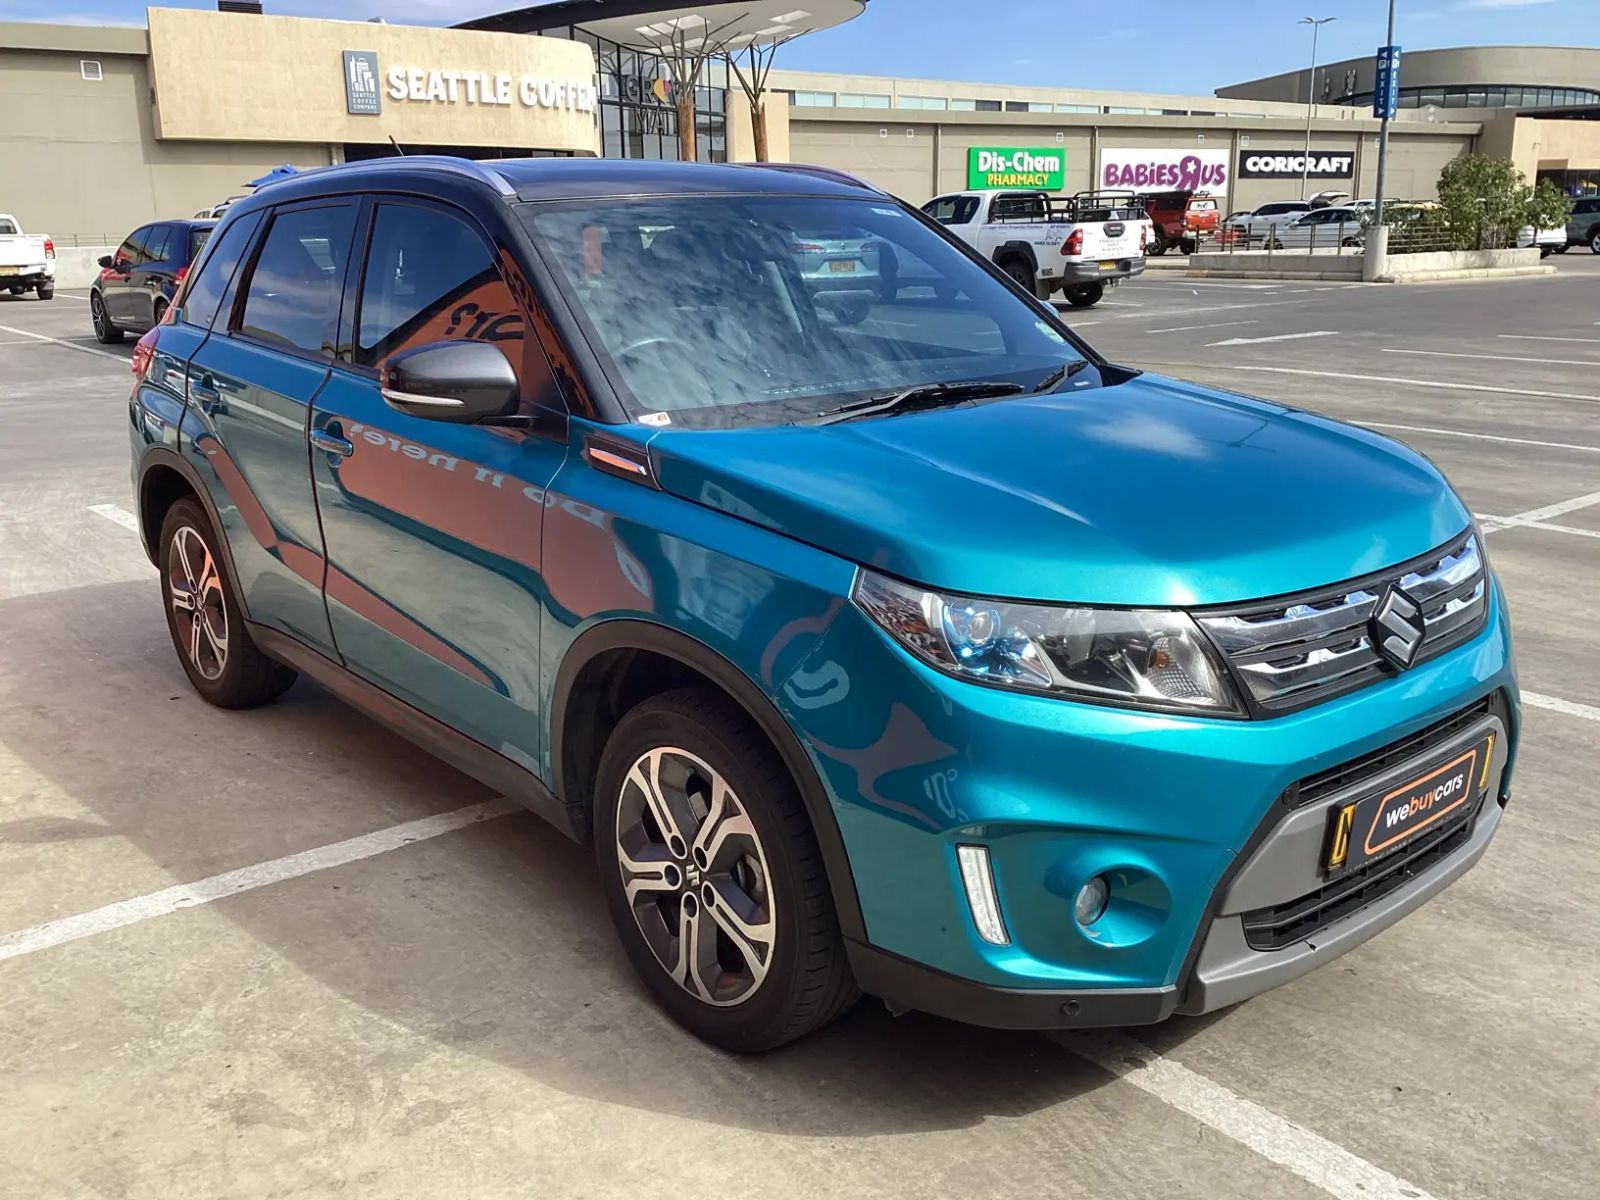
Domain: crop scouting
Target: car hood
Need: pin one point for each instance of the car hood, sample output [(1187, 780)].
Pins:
[(1151, 492)]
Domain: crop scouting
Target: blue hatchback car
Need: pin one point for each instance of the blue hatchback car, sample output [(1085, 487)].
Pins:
[(908, 648)]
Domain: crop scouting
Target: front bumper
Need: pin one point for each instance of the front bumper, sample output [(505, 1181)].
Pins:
[(1187, 816)]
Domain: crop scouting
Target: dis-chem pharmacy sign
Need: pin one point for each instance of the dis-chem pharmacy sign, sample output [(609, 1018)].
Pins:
[(1011, 167)]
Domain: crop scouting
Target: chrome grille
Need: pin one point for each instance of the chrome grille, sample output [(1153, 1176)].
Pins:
[(1296, 650)]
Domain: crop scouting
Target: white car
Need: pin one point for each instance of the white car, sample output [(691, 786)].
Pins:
[(1550, 241), (1257, 224), (28, 260), (1321, 228), (1077, 245)]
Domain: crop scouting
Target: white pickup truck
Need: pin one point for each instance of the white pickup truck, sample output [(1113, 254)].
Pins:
[(27, 261), (1077, 245)]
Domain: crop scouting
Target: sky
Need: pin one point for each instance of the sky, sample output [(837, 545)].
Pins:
[(1183, 47)]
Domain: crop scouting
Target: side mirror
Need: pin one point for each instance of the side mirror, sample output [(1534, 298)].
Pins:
[(107, 261), (458, 381)]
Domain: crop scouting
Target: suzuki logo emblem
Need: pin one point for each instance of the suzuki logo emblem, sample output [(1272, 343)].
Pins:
[(1397, 628)]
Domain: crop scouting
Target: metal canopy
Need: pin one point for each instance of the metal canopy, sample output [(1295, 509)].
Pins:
[(649, 26)]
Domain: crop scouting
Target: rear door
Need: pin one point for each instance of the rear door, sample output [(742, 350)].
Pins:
[(252, 384), (434, 530)]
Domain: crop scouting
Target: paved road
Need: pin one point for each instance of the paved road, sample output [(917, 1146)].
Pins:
[(452, 1017)]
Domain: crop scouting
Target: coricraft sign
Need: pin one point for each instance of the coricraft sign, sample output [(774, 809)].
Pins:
[(1009, 167), (416, 85), (1144, 169), (1292, 164)]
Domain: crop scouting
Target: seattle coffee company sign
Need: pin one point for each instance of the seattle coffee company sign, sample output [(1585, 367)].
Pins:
[(431, 85)]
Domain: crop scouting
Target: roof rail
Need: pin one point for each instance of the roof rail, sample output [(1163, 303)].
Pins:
[(828, 173), (468, 167)]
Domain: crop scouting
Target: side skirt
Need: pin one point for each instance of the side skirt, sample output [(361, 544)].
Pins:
[(487, 766)]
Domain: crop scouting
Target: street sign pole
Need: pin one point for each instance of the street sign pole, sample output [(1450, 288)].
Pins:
[(1385, 95)]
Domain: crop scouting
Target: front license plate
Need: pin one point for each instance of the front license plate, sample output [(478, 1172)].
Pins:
[(1108, 264), (1378, 825), (842, 268)]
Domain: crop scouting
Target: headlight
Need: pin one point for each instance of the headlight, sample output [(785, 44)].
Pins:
[(1140, 658)]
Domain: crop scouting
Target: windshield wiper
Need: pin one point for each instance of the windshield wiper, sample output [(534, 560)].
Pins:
[(926, 393), (1060, 375)]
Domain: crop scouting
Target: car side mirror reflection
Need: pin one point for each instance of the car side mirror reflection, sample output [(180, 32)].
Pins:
[(458, 381)]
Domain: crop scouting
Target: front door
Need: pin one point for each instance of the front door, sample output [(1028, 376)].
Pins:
[(253, 382), (433, 529), (115, 292)]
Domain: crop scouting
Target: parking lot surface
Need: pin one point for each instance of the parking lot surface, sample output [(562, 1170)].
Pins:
[(285, 953)]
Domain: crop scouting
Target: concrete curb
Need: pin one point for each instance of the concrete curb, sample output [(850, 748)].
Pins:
[(1338, 277)]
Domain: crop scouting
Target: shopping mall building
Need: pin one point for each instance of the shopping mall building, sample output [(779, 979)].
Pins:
[(102, 128)]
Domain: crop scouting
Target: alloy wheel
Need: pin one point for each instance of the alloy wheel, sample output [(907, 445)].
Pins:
[(695, 876), (195, 589), (97, 313)]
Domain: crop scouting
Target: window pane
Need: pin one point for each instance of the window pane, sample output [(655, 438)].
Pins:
[(295, 289), (155, 247), (988, 106), (1016, 106), (207, 286), (429, 278), (964, 105)]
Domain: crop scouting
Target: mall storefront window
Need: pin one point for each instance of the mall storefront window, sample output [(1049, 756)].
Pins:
[(637, 116)]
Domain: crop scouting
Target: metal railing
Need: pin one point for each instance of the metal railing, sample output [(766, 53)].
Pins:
[(1336, 237)]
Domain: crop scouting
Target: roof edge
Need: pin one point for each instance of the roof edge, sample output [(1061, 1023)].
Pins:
[(90, 39)]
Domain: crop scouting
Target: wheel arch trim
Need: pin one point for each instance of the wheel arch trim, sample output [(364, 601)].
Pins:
[(161, 457), (633, 634)]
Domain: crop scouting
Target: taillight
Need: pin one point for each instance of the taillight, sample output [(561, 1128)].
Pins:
[(1144, 237), (1073, 244), (183, 273), (49, 248), (144, 352), (804, 248)]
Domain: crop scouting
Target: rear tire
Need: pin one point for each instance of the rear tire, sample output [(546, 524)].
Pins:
[(16, 291), (222, 662), (690, 755), (1564, 247), (105, 332), (1594, 241), (1085, 295), (46, 291), (1022, 273), (158, 311), (1158, 245)]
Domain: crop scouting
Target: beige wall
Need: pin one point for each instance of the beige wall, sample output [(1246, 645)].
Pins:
[(741, 137), (225, 76), (81, 159), (1533, 144)]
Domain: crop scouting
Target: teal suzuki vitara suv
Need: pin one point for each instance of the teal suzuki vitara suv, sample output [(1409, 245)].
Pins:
[(882, 640)]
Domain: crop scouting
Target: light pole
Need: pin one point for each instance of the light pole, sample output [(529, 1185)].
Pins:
[(1316, 24), (1375, 255)]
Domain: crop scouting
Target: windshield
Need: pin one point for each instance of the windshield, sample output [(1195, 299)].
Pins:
[(738, 310)]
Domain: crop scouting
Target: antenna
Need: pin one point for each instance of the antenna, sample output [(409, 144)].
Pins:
[(397, 147)]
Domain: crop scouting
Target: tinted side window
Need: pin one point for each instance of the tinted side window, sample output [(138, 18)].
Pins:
[(206, 287), (132, 249), (297, 283), (155, 247), (197, 241), (430, 277)]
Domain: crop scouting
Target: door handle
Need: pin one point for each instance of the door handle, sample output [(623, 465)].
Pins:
[(329, 441), (204, 392)]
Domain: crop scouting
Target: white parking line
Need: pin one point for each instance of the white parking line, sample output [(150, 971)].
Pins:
[(117, 358), (1565, 707), (1479, 437), (116, 514), (1555, 362), (1490, 524), (1559, 508), (1309, 1155), (1213, 325), (1541, 337), (1276, 337), (1427, 383), (246, 879)]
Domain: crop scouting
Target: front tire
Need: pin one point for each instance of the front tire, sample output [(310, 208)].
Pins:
[(105, 332), (713, 875), (218, 655), (1594, 240), (1085, 295)]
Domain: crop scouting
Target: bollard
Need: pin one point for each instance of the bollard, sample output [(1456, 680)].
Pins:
[(1375, 257)]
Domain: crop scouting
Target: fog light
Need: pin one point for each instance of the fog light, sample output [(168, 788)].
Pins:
[(1091, 902), (978, 879)]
